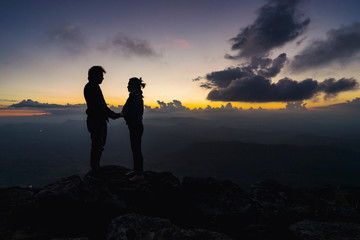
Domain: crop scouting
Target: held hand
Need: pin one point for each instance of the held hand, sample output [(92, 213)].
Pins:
[(116, 115), (119, 115)]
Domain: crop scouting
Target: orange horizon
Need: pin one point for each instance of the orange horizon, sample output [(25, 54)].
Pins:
[(21, 112)]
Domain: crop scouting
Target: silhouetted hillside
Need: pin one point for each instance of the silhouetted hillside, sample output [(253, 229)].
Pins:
[(105, 205), (349, 142), (245, 163)]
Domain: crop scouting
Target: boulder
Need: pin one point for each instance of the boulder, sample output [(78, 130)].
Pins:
[(213, 197), (16, 210), (64, 193), (348, 196), (140, 227), (156, 193), (222, 206), (60, 207), (312, 230), (284, 204)]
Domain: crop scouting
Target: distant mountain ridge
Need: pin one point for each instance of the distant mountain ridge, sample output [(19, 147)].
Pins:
[(38, 153), (245, 163)]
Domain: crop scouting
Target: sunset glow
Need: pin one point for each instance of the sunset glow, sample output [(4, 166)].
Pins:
[(172, 44)]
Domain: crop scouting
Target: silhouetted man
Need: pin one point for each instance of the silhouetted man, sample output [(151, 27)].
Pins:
[(98, 114)]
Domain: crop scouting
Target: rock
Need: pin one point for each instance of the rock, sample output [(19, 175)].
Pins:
[(156, 193), (311, 230), (348, 196), (16, 197), (218, 205), (60, 207), (77, 238), (75, 208), (281, 203), (213, 197), (16, 210), (64, 193), (139, 227)]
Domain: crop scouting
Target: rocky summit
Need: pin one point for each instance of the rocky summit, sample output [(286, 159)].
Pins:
[(105, 205)]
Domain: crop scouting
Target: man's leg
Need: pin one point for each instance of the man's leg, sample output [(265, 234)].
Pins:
[(98, 134)]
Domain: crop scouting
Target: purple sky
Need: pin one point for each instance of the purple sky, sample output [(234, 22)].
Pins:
[(48, 46)]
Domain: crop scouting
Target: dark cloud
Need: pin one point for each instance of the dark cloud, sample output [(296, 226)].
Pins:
[(133, 46), (174, 106), (75, 110), (69, 37), (353, 105), (260, 89), (331, 87), (267, 67), (300, 41), (223, 78), (278, 22), (252, 83), (35, 104), (262, 66), (295, 106), (340, 46)]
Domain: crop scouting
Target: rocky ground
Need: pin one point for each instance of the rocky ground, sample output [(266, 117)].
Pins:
[(105, 205)]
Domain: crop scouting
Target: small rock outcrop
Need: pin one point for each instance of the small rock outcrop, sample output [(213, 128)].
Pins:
[(311, 230), (140, 227), (278, 201), (219, 205)]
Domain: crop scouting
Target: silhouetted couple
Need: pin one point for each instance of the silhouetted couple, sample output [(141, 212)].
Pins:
[(98, 114)]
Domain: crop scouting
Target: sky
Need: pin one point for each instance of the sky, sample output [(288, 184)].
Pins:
[(258, 53)]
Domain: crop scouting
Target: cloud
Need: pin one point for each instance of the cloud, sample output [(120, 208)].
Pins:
[(262, 66), (252, 83), (132, 46), (340, 46), (331, 87), (267, 67), (34, 104), (353, 105), (50, 107), (223, 78), (174, 106), (295, 106), (277, 23), (260, 89), (257, 88), (69, 37)]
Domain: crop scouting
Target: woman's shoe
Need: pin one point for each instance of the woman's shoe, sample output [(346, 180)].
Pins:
[(137, 178), (130, 174)]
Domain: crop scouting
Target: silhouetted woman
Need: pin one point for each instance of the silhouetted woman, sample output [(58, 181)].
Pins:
[(133, 113)]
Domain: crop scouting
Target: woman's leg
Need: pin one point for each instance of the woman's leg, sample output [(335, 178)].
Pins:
[(136, 132)]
